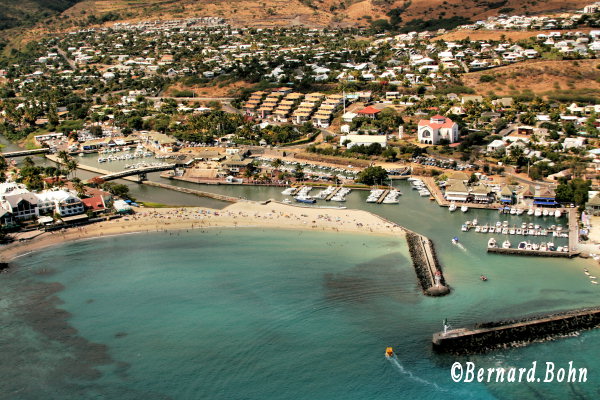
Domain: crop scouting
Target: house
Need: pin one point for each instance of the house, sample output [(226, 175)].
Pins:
[(437, 128), (60, 202), (495, 146), (481, 194), (544, 197), (456, 191), (592, 207), (94, 204), (369, 111), (365, 140), (573, 143), (6, 218), (22, 206), (506, 195)]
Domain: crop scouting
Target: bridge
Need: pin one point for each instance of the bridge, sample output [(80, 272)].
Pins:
[(24, 153), (140, 172)]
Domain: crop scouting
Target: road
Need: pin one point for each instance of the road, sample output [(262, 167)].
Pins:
[(64, 55)]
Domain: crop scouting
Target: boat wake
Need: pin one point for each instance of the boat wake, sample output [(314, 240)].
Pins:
[(460, 246), (394, 360)]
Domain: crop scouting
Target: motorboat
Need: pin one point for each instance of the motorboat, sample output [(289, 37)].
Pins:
[(511, 231), (287, 201), (530, 211), (288, 191), (484, 229), (464, 209), (545, 212), (305, 199), (483, 278), (389, 352), (513, 211), (538, 212), (505, 231), (522, 245), (506, 244), (520, 211), (477, 228), (452, 207), (492, 243), (464, 228), (454, 240), (475, 222), (557, 214)]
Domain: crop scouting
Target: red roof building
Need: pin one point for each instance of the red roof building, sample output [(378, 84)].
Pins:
[(95, 204), (436, 128), (369, 111)]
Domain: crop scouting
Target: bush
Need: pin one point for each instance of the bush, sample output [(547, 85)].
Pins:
[(487, 78)]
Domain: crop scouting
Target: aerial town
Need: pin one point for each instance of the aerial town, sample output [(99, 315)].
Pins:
[(171, 126)]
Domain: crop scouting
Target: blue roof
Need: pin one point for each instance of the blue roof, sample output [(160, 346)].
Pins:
[(545, 203), (506, 200)]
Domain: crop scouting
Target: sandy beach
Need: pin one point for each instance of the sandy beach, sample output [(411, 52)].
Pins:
[(242, 214)]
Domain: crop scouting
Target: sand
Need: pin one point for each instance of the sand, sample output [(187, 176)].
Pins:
[(241, 214)]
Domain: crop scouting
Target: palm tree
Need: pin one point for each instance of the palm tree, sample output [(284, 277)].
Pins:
[(79, 186), (64, 156), (72, 166)]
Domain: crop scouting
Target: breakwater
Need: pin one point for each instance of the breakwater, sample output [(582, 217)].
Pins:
[(195, 192), (426, 264), (502, 334)]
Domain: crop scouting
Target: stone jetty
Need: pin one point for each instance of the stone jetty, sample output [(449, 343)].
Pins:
[(493, 335), (427, 267)]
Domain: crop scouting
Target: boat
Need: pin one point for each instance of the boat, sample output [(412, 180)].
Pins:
[(452, 207), (287, 201), (477, 228), (594, 282), (389, 352), (522, 245), (288, 191), (492, 243), (454, 240), (520, 211), (506, 244), (557, 213), (464, 228), (530, 211), (513, 211), (464, 209), (483, 278), (475, 222), (305, 199), (545, 212), (538, 212), (424, 193), (484, 229)]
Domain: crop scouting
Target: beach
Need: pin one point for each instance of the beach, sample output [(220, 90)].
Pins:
[(242, 214)]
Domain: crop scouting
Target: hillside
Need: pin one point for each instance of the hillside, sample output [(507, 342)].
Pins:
[(568, 78), (317, 13), (28, 12)]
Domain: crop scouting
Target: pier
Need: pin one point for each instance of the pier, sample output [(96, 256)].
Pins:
[(525, 252), (25, 153), (382, 197), (426, 265), (330, 196), (493, 335)]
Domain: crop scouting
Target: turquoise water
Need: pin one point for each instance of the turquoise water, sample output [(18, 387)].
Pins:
[(263, 314)]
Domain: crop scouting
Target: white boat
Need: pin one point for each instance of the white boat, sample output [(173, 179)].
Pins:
[(424, 193), (506, 244), (545, 212), (484, 229), (513, 211), (530, 211), (454, 240), (464, 209), (287, 201), (288, 191), (477, 228), (520, 211), (452, 207), (492, 243), (557, 214), (475, 221), (538, 212), (464, 228)]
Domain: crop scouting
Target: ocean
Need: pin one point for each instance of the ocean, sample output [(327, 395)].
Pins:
[(268, 314)]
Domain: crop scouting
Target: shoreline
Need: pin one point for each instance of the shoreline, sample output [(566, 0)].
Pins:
[(238, 215)]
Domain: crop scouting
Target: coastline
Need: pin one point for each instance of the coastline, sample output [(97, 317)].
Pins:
[(238, 215)]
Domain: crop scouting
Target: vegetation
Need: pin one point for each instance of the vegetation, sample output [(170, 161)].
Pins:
[(372, 176)]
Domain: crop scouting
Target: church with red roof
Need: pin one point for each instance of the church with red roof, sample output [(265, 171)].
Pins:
[(436, 128)]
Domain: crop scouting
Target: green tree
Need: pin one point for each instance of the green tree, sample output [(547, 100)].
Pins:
[(372, 175)]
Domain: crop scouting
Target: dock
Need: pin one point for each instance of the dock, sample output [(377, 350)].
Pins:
[(195, 192), (525, 252), (330, 196), (573, 230), (493, 335), (382, 197)]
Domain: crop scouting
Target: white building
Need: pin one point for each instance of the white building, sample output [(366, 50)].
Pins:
[(61, 202), (437, 128), (356, 140)]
